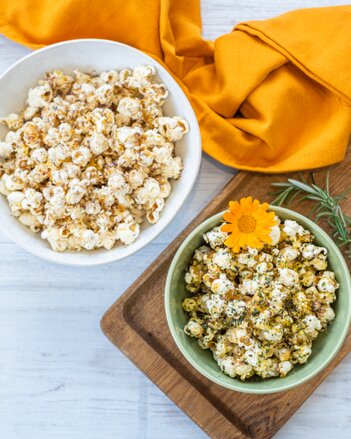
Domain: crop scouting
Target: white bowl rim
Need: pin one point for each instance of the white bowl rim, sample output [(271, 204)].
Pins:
[(233, 386), (51, 257)]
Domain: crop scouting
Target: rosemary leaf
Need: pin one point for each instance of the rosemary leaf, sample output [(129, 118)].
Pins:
[(325, 206)]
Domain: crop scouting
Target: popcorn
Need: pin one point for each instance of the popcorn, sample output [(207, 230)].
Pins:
[(288, 277), (309, 251), (91, 157), (65, 131), (141, 77), (104, 94), (73, 170), (262, 267), (40, 96), (11, 183), (259, 311), (15, 199), (108, 240), (129, 137), (173, 128), (153, 211), (236, 308), (165, 188), (136, 178), (128, 232), (57, 199), (32, 199), (129, 108), (103, 120), (31, 135), (13, 121), (58, 154), (249, 287), (59, 81), (110, 77), (289, 253), (326, 314), (92, 207), (223, 258), (39, 155), (284, 368), (89, 239), (327, 283), (29, 113), (57, 242), (313, 325), (98, 143), (6, 149), (30, 221), (156, 92), (162, 154), (38, 175), (13, 138), (52, 137), (81, 156), (129, 159), (77, 212), (215, 305), (148, 192), (146, 158), (193, 329), (234, 368), (172, 167), (292, 228), (222, 285)]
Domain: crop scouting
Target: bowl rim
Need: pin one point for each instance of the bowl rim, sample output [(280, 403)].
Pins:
[(280, 386), (51, 257)]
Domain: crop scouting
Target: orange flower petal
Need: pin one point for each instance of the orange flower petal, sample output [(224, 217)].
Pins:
[(245, 204), (251, 241), (236, 249), (252, 207), (234, 207), (265, 216), (257, 242), (243, 239), (230, 218), (264, 237), (265, 206), (231, 241), (228, 228)]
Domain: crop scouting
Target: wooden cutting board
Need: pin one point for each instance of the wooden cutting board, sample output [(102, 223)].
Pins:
[(136, 324)]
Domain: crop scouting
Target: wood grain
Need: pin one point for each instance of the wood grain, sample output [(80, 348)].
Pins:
[(136, 323)]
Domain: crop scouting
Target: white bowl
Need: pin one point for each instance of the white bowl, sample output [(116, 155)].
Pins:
[(99, 55)]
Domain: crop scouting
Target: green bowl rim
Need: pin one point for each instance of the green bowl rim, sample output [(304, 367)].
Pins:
[(280, 386)]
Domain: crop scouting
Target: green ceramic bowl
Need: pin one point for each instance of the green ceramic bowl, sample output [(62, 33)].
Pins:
[(325, 346)]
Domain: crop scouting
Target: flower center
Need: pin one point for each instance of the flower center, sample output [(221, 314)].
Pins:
[(247, 224)]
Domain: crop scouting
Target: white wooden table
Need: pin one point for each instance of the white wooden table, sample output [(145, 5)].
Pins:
[(61, 378)]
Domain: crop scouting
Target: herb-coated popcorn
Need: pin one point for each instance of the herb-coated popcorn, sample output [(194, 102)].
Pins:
[(91, 157), (259, 311)]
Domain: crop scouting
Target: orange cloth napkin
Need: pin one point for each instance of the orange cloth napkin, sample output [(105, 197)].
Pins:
[(271, 96)]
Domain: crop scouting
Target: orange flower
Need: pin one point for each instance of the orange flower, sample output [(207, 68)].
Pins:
[(248, 223)]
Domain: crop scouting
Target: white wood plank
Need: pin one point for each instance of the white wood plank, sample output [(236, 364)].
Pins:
[(54, 385)]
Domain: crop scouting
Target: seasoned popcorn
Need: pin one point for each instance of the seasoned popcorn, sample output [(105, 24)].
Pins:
[(91, 157), (260, 310)]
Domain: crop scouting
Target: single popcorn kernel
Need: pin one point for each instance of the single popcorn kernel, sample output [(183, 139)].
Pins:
[(91, 157)]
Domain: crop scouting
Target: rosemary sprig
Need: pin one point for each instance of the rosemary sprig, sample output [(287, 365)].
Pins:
[(326, 206)]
